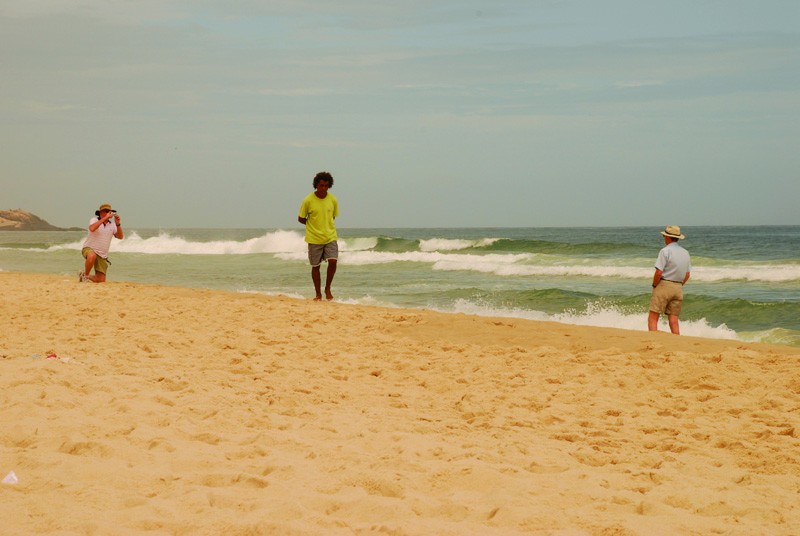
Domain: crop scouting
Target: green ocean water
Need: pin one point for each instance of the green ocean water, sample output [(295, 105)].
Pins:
[(745, 281)]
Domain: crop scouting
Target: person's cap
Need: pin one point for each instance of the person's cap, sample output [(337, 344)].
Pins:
[(104, 206), (673, 231)]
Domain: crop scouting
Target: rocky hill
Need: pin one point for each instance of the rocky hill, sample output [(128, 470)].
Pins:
[(19, 220)]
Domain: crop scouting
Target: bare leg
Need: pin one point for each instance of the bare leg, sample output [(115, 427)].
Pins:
[(315, 277), (329, 278), (652, 321), (89, 264), (674, 326), (98, 277)]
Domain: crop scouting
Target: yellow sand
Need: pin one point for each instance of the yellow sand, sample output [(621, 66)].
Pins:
[(182, 411)]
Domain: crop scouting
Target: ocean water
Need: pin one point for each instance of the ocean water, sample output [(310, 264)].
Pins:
[(745, 280)]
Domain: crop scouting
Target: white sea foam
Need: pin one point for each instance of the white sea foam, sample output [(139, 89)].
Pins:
[(165, 243), (752, 272), (292, 295), (597, 315), (291, 242), (365, 258), (500, 266), (504, 265)]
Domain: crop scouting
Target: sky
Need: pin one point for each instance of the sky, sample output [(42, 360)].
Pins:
[(501, 113)]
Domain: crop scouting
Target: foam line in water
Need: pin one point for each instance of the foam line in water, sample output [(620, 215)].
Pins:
[(599, 316)]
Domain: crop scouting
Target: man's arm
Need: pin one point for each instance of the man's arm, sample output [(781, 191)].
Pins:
[(686, 278), (302, 214), (100, 221), (118, 223), (657, 277)]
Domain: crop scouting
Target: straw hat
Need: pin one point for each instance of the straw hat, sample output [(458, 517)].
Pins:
[(104, 206), (673, 231)]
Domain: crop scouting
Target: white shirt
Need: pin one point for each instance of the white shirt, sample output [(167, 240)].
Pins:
[(674, 262), (100, 240)]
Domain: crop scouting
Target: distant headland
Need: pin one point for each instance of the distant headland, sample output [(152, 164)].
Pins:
[(20, 220)]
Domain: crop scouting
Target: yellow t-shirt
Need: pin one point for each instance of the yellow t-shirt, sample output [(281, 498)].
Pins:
[(319, 215)]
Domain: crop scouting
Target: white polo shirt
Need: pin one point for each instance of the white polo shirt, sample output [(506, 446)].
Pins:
[(674, 262), (100, 240)]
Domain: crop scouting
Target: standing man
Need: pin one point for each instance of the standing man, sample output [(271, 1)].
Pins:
[(317, 212), (97, 243), (673, 268)]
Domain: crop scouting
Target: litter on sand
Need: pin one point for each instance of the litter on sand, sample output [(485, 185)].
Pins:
[(53, 355)]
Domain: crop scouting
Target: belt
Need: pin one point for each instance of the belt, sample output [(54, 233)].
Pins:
[(671, 281)]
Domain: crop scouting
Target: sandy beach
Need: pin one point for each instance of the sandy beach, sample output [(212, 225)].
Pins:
[(132, 409)]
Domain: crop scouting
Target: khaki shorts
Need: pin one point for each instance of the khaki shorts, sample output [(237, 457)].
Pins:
[(667, 298), (100, 264), (322, 252)]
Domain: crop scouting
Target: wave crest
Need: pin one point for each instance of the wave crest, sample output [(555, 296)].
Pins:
[(165, 243), (448, 255), (454, 244)]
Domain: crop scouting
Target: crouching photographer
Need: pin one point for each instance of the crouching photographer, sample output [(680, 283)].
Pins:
[(102, 227)]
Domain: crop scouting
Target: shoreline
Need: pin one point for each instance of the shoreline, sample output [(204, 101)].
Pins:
[(180, 410), (505, 274)]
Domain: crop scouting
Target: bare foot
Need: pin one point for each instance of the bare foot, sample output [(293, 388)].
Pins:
[(318, 298), (328, 295)]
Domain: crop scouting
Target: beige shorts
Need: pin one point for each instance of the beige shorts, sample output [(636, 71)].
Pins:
[(100, 264), (667, 298)]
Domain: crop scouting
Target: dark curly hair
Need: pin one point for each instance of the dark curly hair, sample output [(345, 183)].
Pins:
[(323, 176)]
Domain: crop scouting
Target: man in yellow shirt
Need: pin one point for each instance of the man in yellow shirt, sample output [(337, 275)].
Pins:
[(317, 212)]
